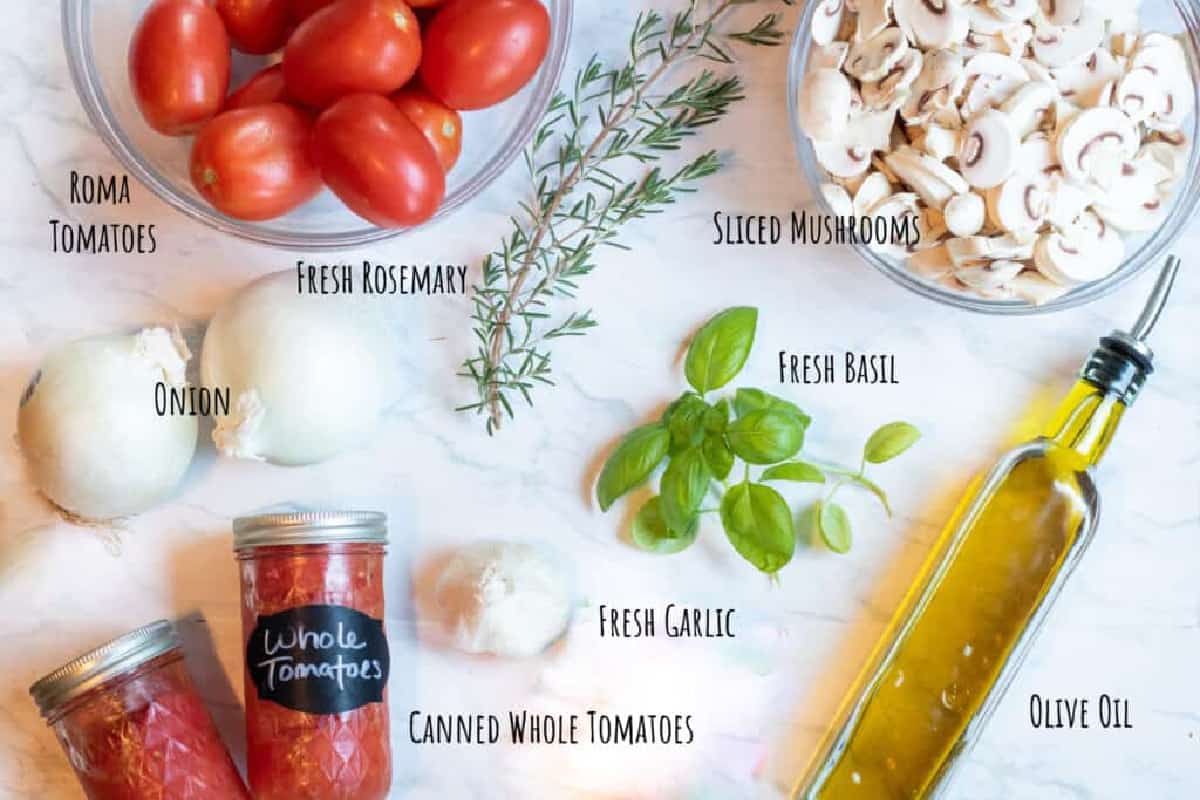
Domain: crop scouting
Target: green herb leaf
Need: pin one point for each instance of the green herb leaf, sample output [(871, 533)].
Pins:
[(747, 401), (834, 525), (759, 525), (766, 437), (797, 471), (651, 533), (717, 455), (716, 420), (890, 441), (720, 349), (631, 463), (685, 420), (683, 487)]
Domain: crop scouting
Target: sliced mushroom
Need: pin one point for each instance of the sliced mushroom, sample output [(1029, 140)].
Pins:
[(827, 21), (1084, 81), (841, 159), (931, 179), (1021, 203), (1035, 288), (1062, 12), (1058, 46), (967, 250), (1038, 153), (1017, 39), (1139, 218), (989, 151), (838, 199), (1036, 71), (823, 106), (965, 214), (872, 59), (1067, 201), (1172, 154), (903, 208), (831, 56), (940, 143), (1094, 145), (874, 190), (1135, 201), (932, 23), (1141, 94), (989, 276), (1090, 251), (984, 20), (933, 263), (996, 78), (1014, 10), (873, 16), (1031, 106), (891, 92), (936, 88), (1164, 57)]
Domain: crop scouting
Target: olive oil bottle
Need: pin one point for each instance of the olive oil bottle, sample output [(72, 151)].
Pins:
[(966, 625)]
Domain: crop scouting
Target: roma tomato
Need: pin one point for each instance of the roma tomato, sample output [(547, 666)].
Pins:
[(352, 46), (256, 26), (179, 65), (264, 86), (425, 3), (303, 9), (378, 162), (480, 52), (254, 163), (440, 124)]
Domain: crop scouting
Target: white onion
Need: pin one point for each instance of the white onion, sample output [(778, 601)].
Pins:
[(309, 374), (89, 429)]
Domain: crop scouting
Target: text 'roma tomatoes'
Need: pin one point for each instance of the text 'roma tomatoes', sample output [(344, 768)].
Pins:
[(480, 52), (179, 63), (265, 86), (441, 124), (378, 162), (352, 46), (254, 164), (256, 26)]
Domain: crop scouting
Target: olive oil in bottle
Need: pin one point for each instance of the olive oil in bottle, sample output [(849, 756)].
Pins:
[(964, 628)]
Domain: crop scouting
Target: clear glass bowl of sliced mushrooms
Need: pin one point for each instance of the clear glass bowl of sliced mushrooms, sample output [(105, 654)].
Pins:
[(1042, 148)]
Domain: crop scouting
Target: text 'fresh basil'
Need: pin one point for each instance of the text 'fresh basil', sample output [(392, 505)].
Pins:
[(319, 659)]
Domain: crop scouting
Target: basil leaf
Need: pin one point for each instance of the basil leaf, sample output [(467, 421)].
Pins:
[(766, 437), (797, 471), (716, 419), (651, 534), (890, 441), (720, 349), (686, 422), (834, 524), (758, 524), (747, 401), (683, 487), (631, 463), (718, 456)]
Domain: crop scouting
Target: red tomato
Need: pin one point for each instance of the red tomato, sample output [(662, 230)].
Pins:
[(264, 86), (440, 124), (480, 52), (352, 46), (425, 3), (179, 65), (378, 162), (303, 9), (253, 163), (256, 26)]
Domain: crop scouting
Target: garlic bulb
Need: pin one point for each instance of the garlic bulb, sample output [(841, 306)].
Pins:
[(89, 428), (308, 374), (503, 598)]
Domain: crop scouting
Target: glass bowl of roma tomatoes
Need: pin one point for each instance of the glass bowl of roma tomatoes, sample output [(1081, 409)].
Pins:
[(97, 35)]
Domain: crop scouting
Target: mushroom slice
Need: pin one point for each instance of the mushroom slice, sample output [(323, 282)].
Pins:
[(874, 190), (1084, 81), (838, 199), (940, 143), (1062, 12), (933, 263), (985, 20), (1141, 94), (1094, 145), (931, 229), (827, 21), (1036, 71), (891, 92), (989, 276), (1171, 153), (931, 179), (1067, 201), (1030, 107), (843, 160), (1164, 57), (1014, 10), (967, 250), (1135, 201), (996, 78), (1035, 288), (937, 86), (1140, 218), (1089, 251), (932, 23), (1038, 153), (831, 56), (1017, 38), (1057, 46), (823, 106), (873, 16), (872, 59), (965, 214), (989, 151), (1021, 203), (901, 208)]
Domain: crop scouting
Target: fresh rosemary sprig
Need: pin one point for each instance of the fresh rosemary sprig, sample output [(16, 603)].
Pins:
[(612, 120)]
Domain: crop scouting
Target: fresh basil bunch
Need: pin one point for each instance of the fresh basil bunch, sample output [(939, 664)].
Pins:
[(702, 441)]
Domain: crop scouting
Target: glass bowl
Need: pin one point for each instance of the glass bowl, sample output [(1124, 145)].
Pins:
[(1142, 251), (97, 34)]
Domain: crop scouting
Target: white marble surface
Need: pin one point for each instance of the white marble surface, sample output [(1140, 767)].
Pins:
[(1126, 625)]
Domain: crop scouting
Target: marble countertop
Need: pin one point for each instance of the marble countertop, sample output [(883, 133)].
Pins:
[(1127, 624)]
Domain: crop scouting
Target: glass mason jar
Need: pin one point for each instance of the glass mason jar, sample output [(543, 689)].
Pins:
[(317, 658), (132, 724)]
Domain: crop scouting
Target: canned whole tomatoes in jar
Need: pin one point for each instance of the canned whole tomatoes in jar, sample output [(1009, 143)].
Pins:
[(132, 724), (317, 658)]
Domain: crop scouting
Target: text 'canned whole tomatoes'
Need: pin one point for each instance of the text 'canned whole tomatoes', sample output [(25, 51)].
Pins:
[(179, 63), (481, 52)]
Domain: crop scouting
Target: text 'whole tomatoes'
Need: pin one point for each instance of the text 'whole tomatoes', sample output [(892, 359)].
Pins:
[(257, 26), (254, 163), (480, 52), (441, 124), (179, 63), (352, 46), (378, 162)]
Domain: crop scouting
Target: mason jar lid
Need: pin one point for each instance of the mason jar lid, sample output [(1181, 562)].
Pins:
[(121, 655), (310, 527)]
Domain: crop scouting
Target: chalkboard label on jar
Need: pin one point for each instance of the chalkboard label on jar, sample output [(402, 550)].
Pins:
[(319, 659)]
